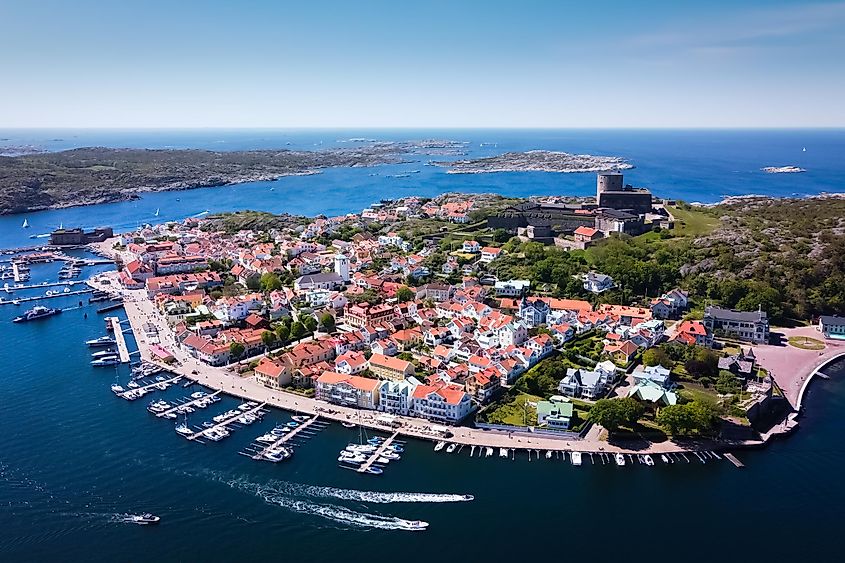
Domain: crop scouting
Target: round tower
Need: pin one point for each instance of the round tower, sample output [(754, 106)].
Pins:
[(341, 267)]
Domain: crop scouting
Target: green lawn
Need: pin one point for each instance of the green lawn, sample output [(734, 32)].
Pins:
[(699, 392), (515, 412), (806, 343), (692, 222)]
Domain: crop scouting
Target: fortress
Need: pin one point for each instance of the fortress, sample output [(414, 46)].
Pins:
[(611, 193)]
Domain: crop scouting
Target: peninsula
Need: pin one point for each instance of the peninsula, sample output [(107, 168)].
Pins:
[(536, 161)]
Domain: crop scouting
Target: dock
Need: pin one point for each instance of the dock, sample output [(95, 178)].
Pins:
[(20, 300), (732, 458), (225, 423), (11, 288), (372, 459), (138, 392), (190, 403), (109, 308), (284, 439), (122, 350)]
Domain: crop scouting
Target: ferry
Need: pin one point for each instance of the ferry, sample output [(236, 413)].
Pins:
[(145, 519), (575, 458), (101, 342), (37, 312)]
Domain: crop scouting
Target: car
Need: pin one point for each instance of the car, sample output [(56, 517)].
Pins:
[(194, 372)]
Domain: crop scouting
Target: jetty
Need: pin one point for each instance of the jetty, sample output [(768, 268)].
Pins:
[(109, 308), (192, 403), (380, 450), (259, 453), (138, 392), (10, 288), (20, 300), (122, 350), (224, 423), (732, 458)]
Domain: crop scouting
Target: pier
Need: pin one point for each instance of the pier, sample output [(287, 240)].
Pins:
[(284, 439), (11, 288), (732, 458), (40, 297), (191, 403), (122, 350), (372, 459), (225, 423), (138, 392)]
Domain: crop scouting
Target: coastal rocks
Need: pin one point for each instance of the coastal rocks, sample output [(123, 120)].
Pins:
[(782, 169), (536, 161)]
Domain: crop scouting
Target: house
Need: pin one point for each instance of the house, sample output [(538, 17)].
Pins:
[(533, 312), (390, 368), (274, 374), (471, 247), (348, 390), (364, 314), (541, 345), (655, 374), (587, 234), (325, 280), (556, 413), (437, 292), (692, 333), (511, 288), (397, 397), (489, 253), (483, 385), (586, 384), (651, 392), (660, 309), (832, 326), (597, 283), (351, 363), (750, 326), (622, 352), (742, 364), (445, 404)]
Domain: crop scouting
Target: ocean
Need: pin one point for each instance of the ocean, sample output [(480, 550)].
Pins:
[(74, 459)]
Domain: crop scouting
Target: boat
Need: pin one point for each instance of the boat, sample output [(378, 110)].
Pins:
[(183, 429), (157, 211), (373, 470), (348, 424), (25, 224), (488, 451), (647, 459), (267, 438), (503, 452), (575, 458), (439, 446), (132, 385), (396, 448), (107, 361), (549, 454), (390, 455), (117, 388), (292, 424), (300, 418), (101, 342), (451, 448), (37, 312), (375, 441), (620, 459), (145, 519), (103, 354), (416, 525), (278, 455)]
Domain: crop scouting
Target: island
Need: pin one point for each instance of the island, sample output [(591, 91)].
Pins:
[(536, 161), (782, 169)]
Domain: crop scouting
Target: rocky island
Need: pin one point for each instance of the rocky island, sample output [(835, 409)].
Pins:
[(536, 161)]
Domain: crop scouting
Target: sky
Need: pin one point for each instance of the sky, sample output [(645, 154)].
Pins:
[(411, 63)]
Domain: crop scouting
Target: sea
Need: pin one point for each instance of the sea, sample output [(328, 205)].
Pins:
[(76, 461)]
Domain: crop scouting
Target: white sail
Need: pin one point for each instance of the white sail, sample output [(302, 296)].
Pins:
[(25, 224), (157, 210)]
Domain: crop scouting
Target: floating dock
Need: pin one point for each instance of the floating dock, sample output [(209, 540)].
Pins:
[(190, 403), (285, 438), (11, 288), (372, 459), (20, 300), (732, 458), (129, 393), (226, 422), (122, 350)]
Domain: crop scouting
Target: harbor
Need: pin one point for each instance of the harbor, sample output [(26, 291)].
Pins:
[(220, 428), (120, 339), (278, 444)]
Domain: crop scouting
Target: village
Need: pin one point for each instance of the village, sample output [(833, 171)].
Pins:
[(361, 312)]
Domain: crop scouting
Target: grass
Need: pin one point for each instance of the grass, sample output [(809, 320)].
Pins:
[(806, 343), (698, 392), (514, 412), (692, 222)]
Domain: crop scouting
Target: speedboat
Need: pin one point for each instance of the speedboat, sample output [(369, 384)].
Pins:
[(663, 458), (267, 438), (375, 440), (198, 395), (416, 525), (277, 455), (620, 459), (373, 470), (549, 454), (451, 448), (300, 418), (390, 455), (575, 458), (183, 430), (396, 448), (107, 361), (503, 452), (292, 424), (439, 446), (145, 519)]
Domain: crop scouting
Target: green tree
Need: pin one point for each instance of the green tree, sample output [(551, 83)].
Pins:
[(607, 414), (501, 236), (282, 333), (270, 282), (404, 294), (657, 357), (727, 383), (297, 330), (310, 323), (253, 283), (327, 322), (236, 350), (268, 337)]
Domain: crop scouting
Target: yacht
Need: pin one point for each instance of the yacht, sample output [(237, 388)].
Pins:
[(145, 519), (267, 438), (439, 446), (451, 448), (575, 458), (277, 455), (37, 312), (106, 361), (183, 430), (103, 354), (620, 459), (117, 388), (101, 342)]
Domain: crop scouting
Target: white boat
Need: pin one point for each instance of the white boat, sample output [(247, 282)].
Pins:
[(157, 210), (415, 525), (352, 459), (183, 430), (503, 452), (103, 354), (488, 451), (107, 361), (390, 455), (101, 342), (451, 448), (549, 454), (117, 388), (267, 438), (132, 385), (575, 458), (144, 519), (620, 459), (25, 224), (439, 446), (648, 460), (278, 455), (663, 458)]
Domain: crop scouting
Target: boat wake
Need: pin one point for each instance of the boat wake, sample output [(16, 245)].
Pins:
[(378, 497), (274, 495)]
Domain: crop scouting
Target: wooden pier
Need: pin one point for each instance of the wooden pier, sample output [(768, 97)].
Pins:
[(732, 458), (129, 392), (225, 423), (372, 459), (285, 438), (122, 350), (190, 403)]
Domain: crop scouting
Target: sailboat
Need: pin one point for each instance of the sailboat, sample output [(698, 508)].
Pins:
[(157, 210), (804, 149), (25, 224)]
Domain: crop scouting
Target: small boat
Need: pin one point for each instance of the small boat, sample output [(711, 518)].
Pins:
[(620, 459), (416, 525), (183, 430), (292, 424), (503, 452), (375, 441), (396, 448), (451, 448), (145, 519), (391, 455), (117, 388), (488, 452), (300, 418), (647, 459), (549, 454), (132, 385), (575, 458), (348, 424), (277, 455), (373, 470), (267, 438), (25, 224), (439, 446), (664, 459)]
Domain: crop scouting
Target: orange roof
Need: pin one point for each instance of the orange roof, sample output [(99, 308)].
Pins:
[(380, 360)]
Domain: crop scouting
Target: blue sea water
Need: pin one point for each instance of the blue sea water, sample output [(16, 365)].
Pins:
[(74, 459)]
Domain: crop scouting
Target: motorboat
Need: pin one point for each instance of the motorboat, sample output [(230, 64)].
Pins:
[(503, 452), (575, 458), (37, 312), (390, 455), (415, 525), (183, 430), (300, 418), (373, 470), (107, 361), (348, 424), (439, 446), (648, 460), (101, 342), (664, 459), (620, 459), (103, 354), (451, 448), (278, 455), (292, 424), (267, 438), (145, 519), (396, 448), (132, 385), (549, 454), (198, 395), (117, 388), (375, 440)]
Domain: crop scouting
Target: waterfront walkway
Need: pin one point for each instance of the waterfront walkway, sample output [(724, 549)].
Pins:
[(122, 350)]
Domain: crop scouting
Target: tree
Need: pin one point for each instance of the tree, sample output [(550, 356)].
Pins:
[(270, 282), (501, 236), (310, 323), (327, 321), (297, 330), (268, 338), (236, 350), (678, 420), (727, 383), (253, 283), (282, 332), (657, 357), (404, 294), (613, 413)]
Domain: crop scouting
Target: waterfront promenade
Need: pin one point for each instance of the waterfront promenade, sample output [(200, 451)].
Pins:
[(141, 310)]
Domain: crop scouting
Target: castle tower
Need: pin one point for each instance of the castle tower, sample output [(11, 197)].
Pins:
[(341, 267), (608, 182)]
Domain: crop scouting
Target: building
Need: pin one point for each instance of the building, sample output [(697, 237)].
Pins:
[(556, 413), (611, 193), (397, 397), (617, 221), (445, 404), (832, 326), (742, 365), (341, 267), (597, 283), (549, 216), (272, 373), (586, 384), (390, 368), (489, 253), (75, 237), (655, 374), (587, 234), (325, 280), (348, 390), (364, 314), (511, 288), (751, 326)]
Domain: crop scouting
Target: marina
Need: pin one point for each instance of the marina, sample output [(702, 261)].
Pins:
[(220, 429), (201, 401), (261, 450), (120, 339), (138, 392), (380, 451)]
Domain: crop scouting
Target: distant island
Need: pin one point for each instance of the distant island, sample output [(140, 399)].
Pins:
[(536, 161), (782, 169), (85, 176)]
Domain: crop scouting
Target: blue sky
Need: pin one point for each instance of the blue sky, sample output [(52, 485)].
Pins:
[(371, 63)]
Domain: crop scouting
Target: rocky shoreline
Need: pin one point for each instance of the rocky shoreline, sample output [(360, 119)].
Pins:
[(536, 161)]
